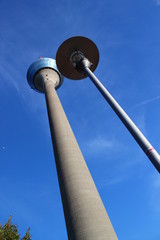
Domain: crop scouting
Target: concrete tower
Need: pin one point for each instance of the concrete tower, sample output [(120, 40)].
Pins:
[(85, 215)]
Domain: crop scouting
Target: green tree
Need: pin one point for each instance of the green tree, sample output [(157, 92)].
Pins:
[(10, 232)]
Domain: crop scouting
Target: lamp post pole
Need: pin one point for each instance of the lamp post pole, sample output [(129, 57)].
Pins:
[(85, 215), (132, 128), (76, 57)]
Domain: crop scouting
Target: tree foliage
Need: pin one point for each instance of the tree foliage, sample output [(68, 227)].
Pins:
[(10, 232)]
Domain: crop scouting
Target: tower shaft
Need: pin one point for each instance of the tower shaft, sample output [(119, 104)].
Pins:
[(85, 215)]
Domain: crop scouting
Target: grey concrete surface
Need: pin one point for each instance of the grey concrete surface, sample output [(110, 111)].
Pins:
[(85, 215)]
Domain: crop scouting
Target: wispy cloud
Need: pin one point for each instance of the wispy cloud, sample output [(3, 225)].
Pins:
[(113, 181), (9, 75), (145, 102), (100, 143), (158, 2), (141, 123)]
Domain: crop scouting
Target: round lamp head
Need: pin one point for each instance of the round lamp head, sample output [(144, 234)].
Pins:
[(41, 70), (66, 54)]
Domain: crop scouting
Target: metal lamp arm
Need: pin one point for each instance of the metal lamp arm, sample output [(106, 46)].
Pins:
[(132, 128)]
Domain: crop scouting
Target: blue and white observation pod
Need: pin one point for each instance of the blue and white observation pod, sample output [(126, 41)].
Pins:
[(38, 68)]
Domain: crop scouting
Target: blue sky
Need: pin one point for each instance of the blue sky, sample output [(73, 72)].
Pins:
[(127, 34)]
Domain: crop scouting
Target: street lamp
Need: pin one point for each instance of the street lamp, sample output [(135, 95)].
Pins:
[(85, 215), (77, 58)]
